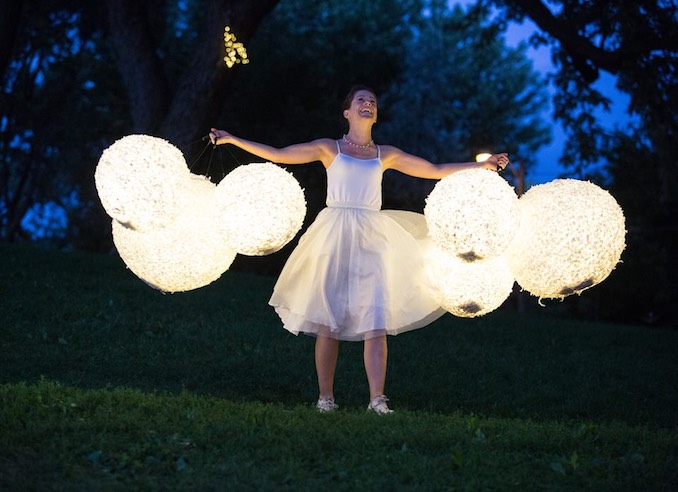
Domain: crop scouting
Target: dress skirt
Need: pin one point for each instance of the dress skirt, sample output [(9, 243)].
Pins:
[(357, 273)]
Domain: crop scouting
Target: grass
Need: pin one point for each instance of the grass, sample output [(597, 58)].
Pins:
[(106, 384)]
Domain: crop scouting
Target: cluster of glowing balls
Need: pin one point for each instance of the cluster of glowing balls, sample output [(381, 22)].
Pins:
[(571, 238), (558, 239), (265, 207), (174, 229), (473, 214), (472, 217)]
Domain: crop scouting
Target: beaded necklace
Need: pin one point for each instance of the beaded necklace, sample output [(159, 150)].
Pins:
[(368, 144)]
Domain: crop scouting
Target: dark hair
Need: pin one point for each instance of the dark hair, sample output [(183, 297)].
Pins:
[(346, 104)]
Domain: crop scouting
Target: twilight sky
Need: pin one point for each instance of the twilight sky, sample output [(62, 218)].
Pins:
[(547, 167)]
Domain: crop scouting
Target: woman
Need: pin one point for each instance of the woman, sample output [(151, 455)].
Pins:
[(356, 274)]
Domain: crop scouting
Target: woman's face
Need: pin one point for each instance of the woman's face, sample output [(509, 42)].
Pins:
[(363, 106)]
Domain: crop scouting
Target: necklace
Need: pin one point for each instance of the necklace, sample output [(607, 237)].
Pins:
[(368, 144)]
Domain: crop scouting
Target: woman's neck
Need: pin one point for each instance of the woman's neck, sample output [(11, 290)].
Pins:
[(360, 136)]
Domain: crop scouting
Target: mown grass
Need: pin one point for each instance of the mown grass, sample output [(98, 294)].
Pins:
[(106, 384)]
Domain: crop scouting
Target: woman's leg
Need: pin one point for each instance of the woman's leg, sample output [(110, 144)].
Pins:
[(375, 355), (326, 353)]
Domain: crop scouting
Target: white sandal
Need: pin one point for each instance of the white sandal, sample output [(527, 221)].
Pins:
[(326, 405), (379, 406)]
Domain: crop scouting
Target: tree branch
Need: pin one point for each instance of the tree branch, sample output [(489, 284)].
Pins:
[(585, 55)]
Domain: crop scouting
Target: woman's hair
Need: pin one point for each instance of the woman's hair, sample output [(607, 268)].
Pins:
[(346, 104)]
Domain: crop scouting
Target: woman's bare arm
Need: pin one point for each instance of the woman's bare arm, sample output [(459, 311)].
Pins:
[(394, 158), (303, 153)]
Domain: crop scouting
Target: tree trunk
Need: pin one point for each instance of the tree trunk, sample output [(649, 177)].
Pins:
[(139, 66), (196, 99)]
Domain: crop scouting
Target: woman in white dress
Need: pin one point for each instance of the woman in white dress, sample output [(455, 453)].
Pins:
[(358, 272)]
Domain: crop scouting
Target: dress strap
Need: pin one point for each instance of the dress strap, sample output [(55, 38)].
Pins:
[(378, 152), (338, 148)]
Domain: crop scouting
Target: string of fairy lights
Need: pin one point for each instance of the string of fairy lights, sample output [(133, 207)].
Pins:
[(235, 51)]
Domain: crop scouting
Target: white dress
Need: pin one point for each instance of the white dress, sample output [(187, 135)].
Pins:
[(357, 271)]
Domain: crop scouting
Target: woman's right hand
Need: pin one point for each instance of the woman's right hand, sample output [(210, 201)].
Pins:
[(218, 137)]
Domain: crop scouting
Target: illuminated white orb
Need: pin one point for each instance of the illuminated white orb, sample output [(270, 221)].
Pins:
[(571, 237), (259, 208), (473, 214), (184, 255), (137, 179), (469, 289)]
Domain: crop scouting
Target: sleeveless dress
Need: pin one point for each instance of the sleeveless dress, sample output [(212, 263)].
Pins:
[(357, 272)]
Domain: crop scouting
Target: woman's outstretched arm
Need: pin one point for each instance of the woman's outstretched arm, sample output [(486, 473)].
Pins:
[(316, 150), (394, 158)]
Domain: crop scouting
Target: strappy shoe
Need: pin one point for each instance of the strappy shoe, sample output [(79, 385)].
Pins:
[(326, 405), (379, 406)]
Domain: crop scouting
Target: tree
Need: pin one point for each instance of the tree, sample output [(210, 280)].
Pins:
[(43, 94), (308, 53), (638, 43), (635, 41), (304, 59), (177, 106), (462, 91), (424, 65), (60, 98)]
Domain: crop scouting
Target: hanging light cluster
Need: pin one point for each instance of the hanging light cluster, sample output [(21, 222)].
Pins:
[(174, 229), (235, 51), (558, 239)]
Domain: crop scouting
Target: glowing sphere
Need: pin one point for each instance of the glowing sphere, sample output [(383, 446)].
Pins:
[(469, 289), (259, 208), (571, 237), (473, 214), (184, 255), (138, 178)]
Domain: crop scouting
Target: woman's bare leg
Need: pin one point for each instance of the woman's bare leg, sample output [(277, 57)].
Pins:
[(326, 354), (375, 355)]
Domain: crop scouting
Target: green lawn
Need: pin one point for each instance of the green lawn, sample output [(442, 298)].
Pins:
[(106, 384)]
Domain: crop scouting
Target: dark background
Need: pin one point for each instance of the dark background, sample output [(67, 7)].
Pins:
[(78, 75)]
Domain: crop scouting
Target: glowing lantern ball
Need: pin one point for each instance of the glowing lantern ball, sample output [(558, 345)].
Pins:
[(473, 214), (259, 208), (138, 178), (186, 254), (571, 237), (469, 289)]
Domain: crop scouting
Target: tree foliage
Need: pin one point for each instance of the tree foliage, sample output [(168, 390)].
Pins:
[(462, 91), (78, 76), (447, 83), (49, 104), (637, 42)]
